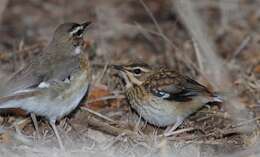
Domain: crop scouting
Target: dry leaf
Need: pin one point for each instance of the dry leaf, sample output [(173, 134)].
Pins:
[(98, 98), (95, 94), (257, 69)]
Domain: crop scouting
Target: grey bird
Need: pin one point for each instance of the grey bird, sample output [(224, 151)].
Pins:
[(56, 63), (58, 60), (55, 100)]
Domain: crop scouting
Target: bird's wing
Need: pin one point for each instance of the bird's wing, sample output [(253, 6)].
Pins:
[(176, 87), (19, 96), (50, 89), (23, 79), (63, 67), (37, 71)]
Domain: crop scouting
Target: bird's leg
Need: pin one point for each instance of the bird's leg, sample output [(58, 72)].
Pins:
[(53, 125), (34, 119), (169, 130)]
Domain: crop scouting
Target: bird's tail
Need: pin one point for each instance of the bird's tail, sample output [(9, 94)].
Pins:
[(17, 100)]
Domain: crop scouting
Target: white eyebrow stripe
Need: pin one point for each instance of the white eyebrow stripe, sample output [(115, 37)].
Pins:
[(75, 30), (145, 70), (142, 69)]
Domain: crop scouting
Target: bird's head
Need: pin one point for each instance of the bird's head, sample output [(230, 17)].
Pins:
[(135, 73), (70, 34)]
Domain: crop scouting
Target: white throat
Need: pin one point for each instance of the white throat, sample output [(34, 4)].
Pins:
[(77, 50)]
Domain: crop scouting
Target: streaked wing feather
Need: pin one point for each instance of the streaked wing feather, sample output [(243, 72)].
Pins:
[(176, 87)]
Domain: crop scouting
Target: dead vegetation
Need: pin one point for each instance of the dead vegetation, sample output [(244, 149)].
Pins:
[(215, 42)]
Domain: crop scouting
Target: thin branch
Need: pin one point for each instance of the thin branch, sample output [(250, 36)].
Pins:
[(198, 55), (102, 74), (104, 98), (98, 114), (241, 47), (179, 131), (152, 17), (167, 51), (109, 129), (246, 122)]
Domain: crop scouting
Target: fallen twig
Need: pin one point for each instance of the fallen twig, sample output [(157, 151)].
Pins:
[(178, 132), (104, 98), (109, 129), (98, 114), (241, 47)]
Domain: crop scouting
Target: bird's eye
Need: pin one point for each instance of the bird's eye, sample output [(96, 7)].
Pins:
[(137, 71), (79, 33)]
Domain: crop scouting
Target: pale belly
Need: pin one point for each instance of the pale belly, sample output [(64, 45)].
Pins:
[(155, 113), (56, 108)]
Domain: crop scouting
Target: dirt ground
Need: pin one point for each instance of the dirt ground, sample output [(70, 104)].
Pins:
[(216, 42)]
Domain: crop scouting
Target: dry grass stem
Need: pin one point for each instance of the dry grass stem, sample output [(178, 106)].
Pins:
[(98, 114)]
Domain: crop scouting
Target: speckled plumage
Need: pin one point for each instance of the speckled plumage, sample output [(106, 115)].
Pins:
[(162, 97)]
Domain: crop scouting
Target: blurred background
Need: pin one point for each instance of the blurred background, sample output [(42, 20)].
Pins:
[(217, 42)]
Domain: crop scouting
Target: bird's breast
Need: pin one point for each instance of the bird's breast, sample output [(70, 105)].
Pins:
[(153, 109)]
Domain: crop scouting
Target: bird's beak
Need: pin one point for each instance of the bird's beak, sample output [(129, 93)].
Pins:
[(117, 67), (123, 74), (86, 24)]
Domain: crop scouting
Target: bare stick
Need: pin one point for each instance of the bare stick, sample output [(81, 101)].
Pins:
[(167, 52), (108, 129), (152, 17), (198, 55), (104, 98), (247, 122), (178, 132), (35, 123), (241, 47), (101, 75), (98, 114)]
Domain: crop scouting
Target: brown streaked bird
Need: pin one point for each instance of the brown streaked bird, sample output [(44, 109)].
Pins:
[(163, 97), (54, 100), (55, 63)]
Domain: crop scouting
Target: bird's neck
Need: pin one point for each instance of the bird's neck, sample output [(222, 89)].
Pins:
[(59, 46)]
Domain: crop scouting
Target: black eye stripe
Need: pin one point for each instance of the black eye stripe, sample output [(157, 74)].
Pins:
[(79, 32)]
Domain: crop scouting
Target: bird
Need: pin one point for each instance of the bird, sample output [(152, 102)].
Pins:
[(56, 62), (161, 96), (58, 59), (54, 100)]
